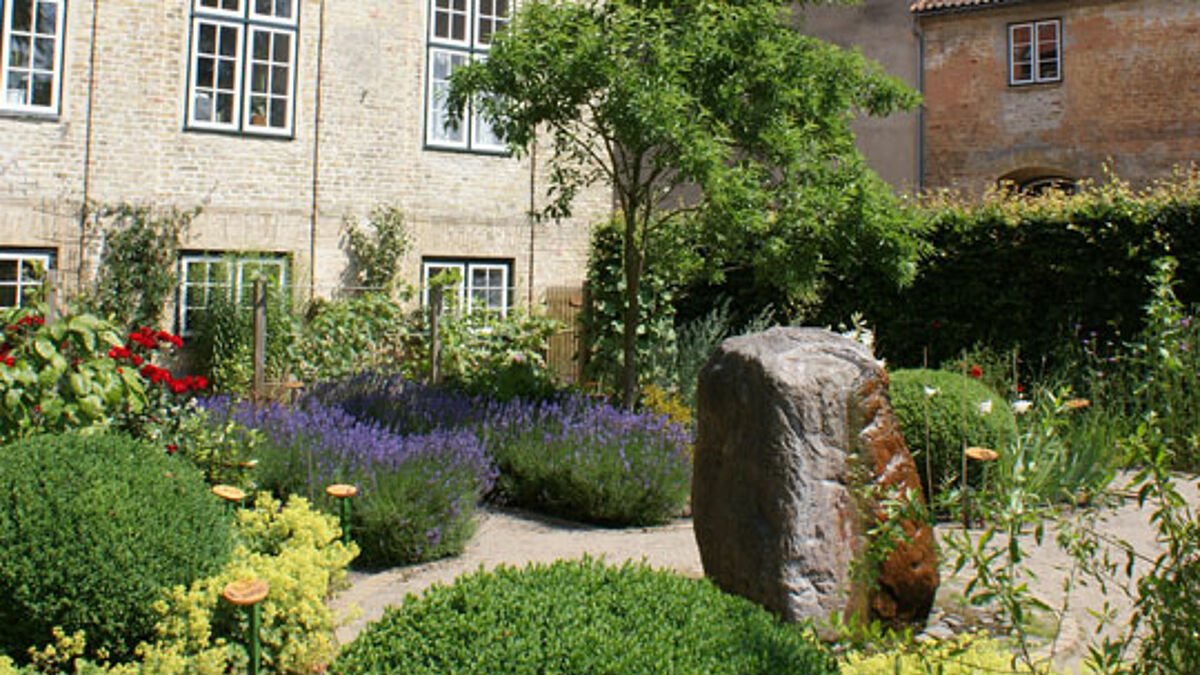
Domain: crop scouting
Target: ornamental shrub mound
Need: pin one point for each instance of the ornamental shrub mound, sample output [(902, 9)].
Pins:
[(93, 529), (581, 617), (990, 422), (417, 492)]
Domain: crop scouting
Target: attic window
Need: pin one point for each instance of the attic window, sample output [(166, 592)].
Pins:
[(1035, 52)]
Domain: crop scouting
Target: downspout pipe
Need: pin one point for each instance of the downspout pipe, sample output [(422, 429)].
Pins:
[(316, 163), (84, 212)]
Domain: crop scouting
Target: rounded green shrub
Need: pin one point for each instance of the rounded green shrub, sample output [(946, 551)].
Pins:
[(93, 529), (581, 617), (990, 422)]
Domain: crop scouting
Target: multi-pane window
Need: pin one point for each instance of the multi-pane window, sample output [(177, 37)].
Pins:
[(31, 34), (1035, 52), (243, 66), (482, 285), (22, 277), (460, 31), (204, 277)]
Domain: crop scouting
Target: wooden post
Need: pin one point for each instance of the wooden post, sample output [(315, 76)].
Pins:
[(435, 337), (582, 340), (260, 339)]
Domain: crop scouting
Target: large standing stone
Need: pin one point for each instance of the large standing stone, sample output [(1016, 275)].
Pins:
[(795, 427)]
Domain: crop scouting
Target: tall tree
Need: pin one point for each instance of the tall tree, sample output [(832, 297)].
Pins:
[(716, 123)]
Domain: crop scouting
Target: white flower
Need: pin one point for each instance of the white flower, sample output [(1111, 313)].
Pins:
[(930, 392), (985, 407), (1021, 406)]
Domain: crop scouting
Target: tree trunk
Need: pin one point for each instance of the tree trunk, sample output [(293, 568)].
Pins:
[(633, 278)]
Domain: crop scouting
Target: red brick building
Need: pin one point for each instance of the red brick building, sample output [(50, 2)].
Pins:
[(1048, 91)]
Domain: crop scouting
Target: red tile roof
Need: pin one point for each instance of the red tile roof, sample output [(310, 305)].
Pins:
[(926, 6)]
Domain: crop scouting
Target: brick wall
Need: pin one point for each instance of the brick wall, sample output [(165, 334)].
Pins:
[(258, 193), (1128, 93)]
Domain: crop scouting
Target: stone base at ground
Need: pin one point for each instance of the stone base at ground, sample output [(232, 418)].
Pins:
[(796, 446)]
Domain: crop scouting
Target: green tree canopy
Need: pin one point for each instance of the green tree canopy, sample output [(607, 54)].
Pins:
[(718, 125)]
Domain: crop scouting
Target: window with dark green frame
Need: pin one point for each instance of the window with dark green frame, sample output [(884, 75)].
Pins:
[(204, 275), (242, 75)]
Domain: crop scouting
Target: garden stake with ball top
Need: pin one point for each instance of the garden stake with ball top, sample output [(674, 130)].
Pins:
[(249, 592), (233, 496), (343, 493)]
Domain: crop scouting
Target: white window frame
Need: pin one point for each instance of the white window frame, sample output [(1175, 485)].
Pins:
[(470, 48), (435, 107), (27, 106), (248, 23), (1035, 59), (235, 276), (45, 260), (463, 293)]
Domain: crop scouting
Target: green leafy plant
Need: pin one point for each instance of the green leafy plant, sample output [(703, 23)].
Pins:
[(345, 337), (581, 617), (225, 451), (377, 249), (952, 402), (699, 339), (95, 528), (604, 317), (137, 268), (501, 357), (58, 374), (223, 340)]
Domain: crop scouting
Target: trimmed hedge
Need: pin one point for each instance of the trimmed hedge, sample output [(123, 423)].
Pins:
[(1035, 272), (93, 529), (995, 429), (580, 617)]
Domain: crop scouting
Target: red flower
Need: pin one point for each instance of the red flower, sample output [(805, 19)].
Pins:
[(136, 360), (975, 372), (1020, 388), (200, 382), (9, 361), (154, 373), (178, 386), (119, 353), (172, 448)]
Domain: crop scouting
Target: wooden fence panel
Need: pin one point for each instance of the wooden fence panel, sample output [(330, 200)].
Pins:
[(565, 304)]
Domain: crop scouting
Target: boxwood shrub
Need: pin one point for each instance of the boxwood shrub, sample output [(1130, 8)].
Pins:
[(991, 425), (92, 530), (581, 617)]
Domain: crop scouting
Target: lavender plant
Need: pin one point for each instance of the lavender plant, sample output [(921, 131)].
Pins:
[(417, 492), (570, 455), (590, 461)]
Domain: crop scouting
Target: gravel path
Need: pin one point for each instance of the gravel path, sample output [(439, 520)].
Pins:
[(515, 538)]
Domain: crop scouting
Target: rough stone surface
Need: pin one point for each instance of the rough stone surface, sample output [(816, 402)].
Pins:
[(795, 427)]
